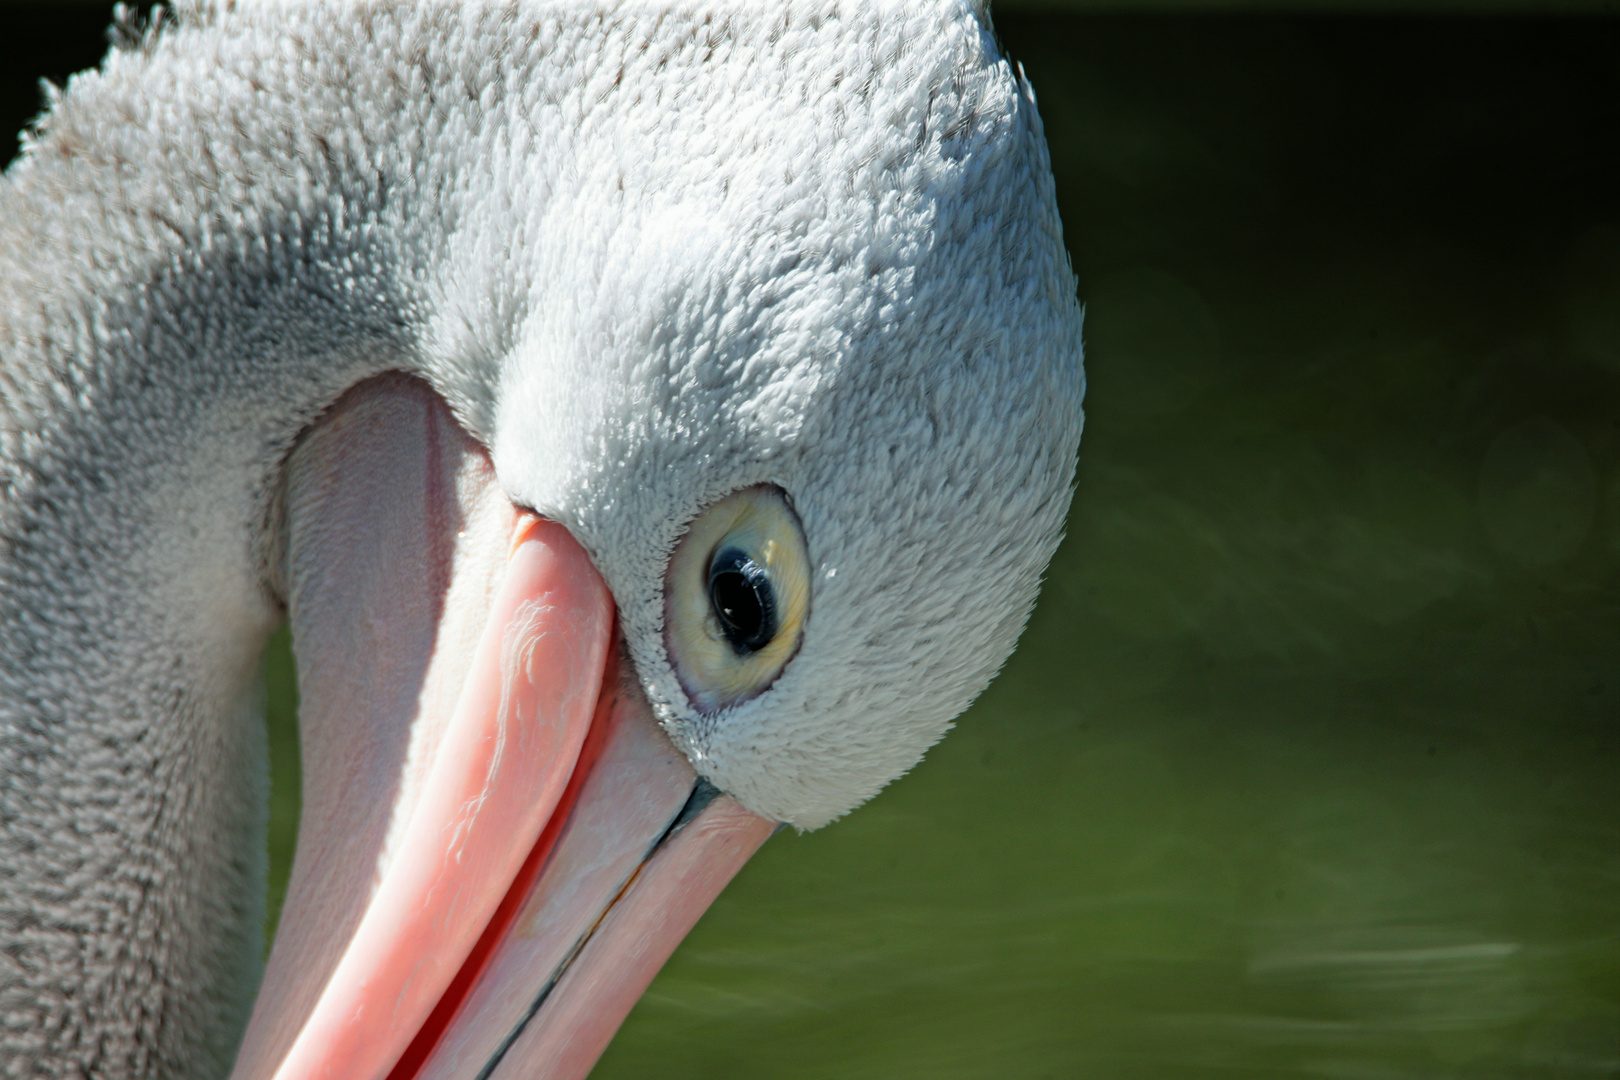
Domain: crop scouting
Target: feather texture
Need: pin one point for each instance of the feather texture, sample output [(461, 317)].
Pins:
[(649, 254)]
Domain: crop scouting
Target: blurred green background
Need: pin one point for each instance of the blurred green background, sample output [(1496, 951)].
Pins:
[(1309, 764)]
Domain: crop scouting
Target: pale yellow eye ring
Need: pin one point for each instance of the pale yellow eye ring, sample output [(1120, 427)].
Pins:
[(757, 529)]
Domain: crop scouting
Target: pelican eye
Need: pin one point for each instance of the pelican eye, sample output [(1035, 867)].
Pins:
[(744, 602), (736, 596)]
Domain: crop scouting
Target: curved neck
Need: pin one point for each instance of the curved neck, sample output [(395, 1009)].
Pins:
[(210, 239), (165, 334)]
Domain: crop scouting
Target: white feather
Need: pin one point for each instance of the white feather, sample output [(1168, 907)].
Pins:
[(649, 254)]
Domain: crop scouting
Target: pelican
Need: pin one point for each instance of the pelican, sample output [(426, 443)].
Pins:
[(652, 420)]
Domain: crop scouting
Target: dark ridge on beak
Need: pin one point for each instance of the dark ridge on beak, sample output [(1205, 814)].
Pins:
[(703, 793)]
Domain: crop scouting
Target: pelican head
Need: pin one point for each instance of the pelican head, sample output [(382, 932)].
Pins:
[(653, 421)]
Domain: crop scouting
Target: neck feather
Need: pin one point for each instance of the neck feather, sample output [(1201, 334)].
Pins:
[(175, 306)]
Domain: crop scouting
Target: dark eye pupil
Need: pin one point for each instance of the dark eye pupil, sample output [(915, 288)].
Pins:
[(743, 600)]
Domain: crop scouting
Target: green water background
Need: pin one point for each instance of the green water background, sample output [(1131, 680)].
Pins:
[(1309, 763)]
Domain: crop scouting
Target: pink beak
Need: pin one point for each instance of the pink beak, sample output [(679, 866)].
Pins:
[(499, 847)]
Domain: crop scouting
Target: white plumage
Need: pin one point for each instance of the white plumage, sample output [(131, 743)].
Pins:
[(649, 255)]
